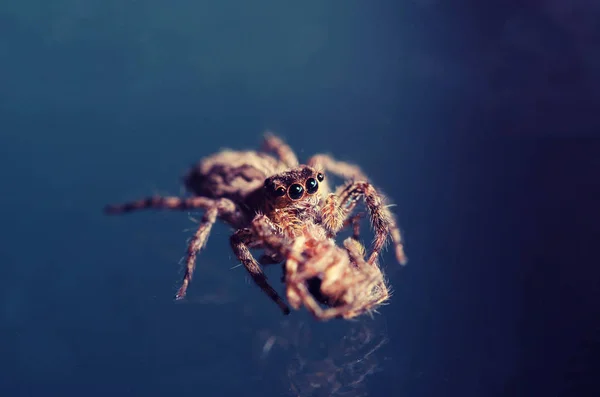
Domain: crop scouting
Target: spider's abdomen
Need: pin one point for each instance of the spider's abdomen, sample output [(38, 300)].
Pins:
[(230, 174)]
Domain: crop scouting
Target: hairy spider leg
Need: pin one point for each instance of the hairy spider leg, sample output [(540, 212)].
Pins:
[(276, 145), (382, 219), (239, 243), (354, 173), (223, 208), (175, 203), (197, 242)]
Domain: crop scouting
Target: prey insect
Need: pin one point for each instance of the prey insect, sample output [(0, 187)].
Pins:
[(275, 203), (318, 273)]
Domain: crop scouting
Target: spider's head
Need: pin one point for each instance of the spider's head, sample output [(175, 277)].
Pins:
[(299, 185)]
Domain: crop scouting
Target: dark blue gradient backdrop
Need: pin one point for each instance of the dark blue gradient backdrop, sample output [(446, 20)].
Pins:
[(476, 118)]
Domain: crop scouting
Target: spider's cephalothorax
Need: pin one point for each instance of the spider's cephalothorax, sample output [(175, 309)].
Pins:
[(292, 197), (248, 189)]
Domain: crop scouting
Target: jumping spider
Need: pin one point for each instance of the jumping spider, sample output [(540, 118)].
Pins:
[(273, 202)]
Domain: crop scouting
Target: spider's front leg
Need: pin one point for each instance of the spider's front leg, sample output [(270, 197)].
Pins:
[(239, 243), (338, 207)]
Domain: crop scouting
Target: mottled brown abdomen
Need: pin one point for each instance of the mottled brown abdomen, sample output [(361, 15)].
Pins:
[(230, 174)]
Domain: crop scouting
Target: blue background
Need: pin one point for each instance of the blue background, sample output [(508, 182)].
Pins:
[(478, 121)]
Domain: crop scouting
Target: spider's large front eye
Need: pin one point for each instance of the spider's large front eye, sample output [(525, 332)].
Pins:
[(296, 191), (320, 177), (280, 191), (312, 185)]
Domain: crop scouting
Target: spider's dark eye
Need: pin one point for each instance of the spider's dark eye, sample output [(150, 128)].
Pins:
[(320, 177), (296, 191), (280, 191), (311, 185)]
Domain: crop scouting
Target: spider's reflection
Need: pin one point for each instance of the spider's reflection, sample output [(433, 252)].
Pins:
[(325, 361)]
